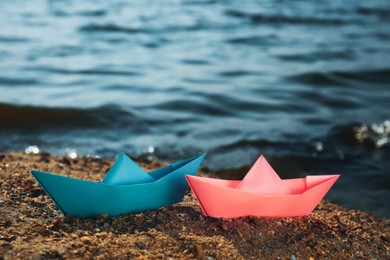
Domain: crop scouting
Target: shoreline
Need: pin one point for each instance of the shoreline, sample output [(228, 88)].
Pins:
[(32, 227)]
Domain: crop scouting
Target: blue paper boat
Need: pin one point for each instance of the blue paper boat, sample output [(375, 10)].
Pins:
[(126, 188)]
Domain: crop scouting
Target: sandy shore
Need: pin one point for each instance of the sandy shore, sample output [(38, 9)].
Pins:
[(32, 227)]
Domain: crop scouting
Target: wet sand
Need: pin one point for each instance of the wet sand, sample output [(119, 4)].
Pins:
[(32, 227)]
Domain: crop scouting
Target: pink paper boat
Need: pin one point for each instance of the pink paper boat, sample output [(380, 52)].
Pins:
[(261, 193)]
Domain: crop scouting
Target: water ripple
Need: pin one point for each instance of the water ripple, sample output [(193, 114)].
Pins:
[(194, 106), (255, 40), (110, 28), (337, 77), (319, 56), (17, 81), (258, 18), (97, 72)]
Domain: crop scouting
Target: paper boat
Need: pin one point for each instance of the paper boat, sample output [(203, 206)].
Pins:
[(260, 193), (126, 188)]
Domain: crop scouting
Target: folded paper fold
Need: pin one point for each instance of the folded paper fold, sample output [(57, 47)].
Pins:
[(127, 188), (126, 171), (268, 182), (260, 193)]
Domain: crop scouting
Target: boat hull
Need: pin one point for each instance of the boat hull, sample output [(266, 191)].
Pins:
[(88, 199), (221, 199)]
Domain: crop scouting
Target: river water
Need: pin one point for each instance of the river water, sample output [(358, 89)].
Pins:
[(306, 83)]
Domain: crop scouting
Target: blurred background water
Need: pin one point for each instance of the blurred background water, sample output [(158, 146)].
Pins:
[(306, 83)]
